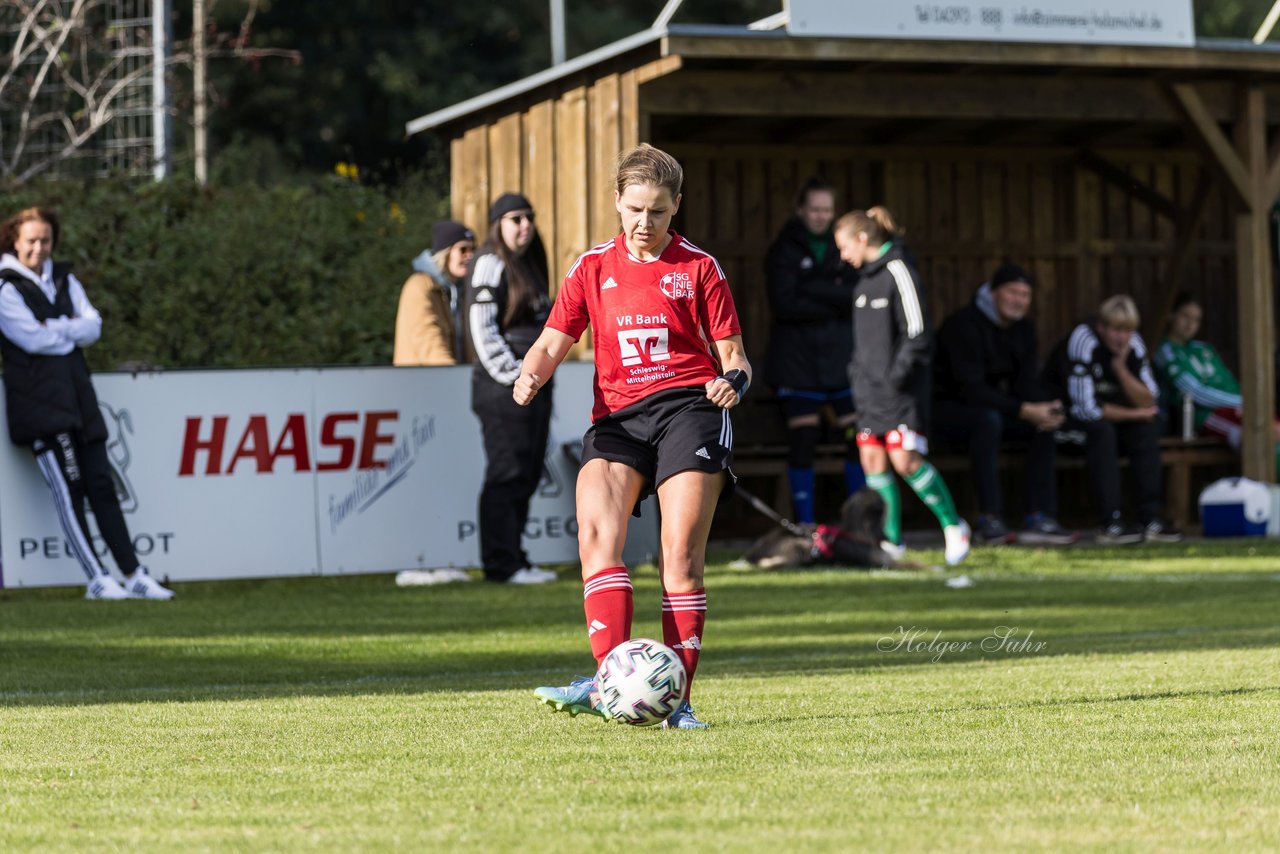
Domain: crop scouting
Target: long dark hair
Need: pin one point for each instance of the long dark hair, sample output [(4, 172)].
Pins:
[(526, 274)]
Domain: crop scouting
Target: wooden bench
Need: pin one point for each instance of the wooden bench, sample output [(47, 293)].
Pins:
[(1180, 458)]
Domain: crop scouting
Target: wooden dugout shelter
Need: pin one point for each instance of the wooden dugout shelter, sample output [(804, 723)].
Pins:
[(1102, 169)]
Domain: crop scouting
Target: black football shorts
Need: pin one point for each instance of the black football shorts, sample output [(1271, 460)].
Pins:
[(666, 433)]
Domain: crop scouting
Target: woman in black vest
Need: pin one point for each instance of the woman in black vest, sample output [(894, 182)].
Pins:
[(45, 320)]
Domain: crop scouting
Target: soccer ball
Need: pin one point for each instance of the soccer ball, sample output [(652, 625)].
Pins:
[(641, 682)]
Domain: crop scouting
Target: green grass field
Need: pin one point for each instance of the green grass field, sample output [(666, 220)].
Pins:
[(1134, 705)]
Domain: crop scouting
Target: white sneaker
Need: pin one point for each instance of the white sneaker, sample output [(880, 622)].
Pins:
[(426, 577), (105, 587), (897, 551), (531, 575), (141, 585), (957, 537)]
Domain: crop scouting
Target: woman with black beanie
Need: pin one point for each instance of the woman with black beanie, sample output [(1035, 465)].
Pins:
[(507, 304)]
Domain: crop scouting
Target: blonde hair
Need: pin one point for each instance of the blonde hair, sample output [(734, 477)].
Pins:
[(876, 223), (441, 259), (645, 164), (1120, 311)]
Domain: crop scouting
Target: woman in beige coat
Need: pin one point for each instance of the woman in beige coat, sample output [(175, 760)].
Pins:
[(427, 320)]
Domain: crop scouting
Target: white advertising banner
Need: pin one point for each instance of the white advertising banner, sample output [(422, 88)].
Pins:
[(1134, 22), (255, 473)]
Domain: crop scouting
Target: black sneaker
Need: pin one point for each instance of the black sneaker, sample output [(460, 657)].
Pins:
[(1158, 531), (1043, 531), (990, 531), (1119, 534)]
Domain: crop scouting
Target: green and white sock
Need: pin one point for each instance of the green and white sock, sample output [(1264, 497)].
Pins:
[(928, 484), (887, 488)]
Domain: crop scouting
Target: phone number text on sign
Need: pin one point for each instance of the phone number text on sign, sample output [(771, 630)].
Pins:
[(959, 15)]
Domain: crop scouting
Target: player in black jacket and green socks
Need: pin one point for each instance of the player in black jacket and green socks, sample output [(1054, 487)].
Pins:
[(891, 379)]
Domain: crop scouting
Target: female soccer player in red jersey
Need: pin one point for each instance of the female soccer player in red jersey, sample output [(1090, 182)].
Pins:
[(669, 366)]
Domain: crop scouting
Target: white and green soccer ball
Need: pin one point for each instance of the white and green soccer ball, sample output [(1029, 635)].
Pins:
[(641, 682)]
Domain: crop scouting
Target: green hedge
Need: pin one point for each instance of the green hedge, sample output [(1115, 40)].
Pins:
[(290, 274)]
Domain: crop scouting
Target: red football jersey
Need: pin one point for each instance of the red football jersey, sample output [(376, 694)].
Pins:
[(654, 321)]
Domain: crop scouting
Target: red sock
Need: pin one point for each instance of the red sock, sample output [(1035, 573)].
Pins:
[(683, 617), (609, 606)]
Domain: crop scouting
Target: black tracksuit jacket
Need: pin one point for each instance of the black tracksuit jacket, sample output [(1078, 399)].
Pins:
[(811, 338), (893, 336)]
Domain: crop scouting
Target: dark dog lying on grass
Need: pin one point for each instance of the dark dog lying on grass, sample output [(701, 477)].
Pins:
[(855, 542)]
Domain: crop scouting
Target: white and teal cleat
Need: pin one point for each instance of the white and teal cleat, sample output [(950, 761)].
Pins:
[(576, 698)]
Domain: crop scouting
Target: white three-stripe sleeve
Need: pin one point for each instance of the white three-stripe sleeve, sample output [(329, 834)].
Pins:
[(1202, 394), (1080, 387), (482, 317), (909, 297)]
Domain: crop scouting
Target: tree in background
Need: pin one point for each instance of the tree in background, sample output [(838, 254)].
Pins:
[(75, 84), (360, 71), (1237, 19), (370, 67), (71, 74)]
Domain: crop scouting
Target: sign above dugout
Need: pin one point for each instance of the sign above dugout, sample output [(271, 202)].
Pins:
[(1166, 23)]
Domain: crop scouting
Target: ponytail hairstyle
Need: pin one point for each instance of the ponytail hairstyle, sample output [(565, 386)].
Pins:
[(9, 230), (526, 274), (876, 223)]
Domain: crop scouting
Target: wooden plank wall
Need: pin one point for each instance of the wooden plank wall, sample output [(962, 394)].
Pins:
[(964, 213), (560, 153), (965, 210)]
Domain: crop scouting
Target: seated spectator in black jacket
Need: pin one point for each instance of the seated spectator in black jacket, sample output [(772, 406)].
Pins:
[(1103, 370), (987, 389), (811, 340)]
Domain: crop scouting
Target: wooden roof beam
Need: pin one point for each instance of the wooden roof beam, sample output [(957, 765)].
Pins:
[(1207, 57), (996, 133), (996, 97), (1222, 152), (1119, 178)]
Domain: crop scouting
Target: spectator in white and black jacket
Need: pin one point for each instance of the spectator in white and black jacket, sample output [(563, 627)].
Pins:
[(811, 339), (1102, 372), (46, 320), (986, 390), (507, 304)]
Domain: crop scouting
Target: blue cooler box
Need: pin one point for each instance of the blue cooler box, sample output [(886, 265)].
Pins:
[(1235, 507)]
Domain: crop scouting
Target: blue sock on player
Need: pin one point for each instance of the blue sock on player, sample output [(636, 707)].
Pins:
[(802, 484), (854, 477)]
